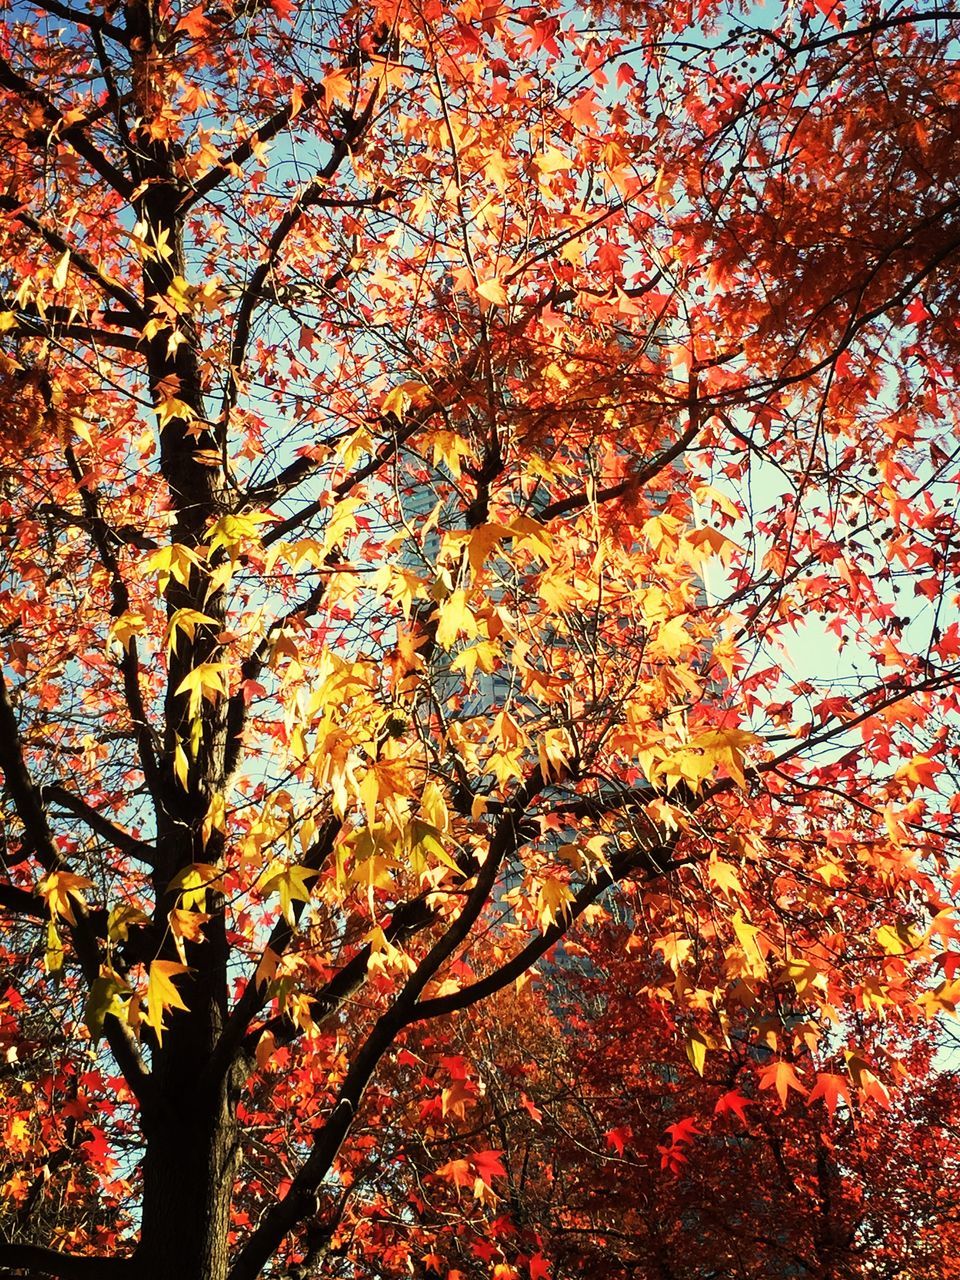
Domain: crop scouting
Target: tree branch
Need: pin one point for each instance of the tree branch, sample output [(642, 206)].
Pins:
[(21, 902), (31, 812), (244, 150), (92, 20), (539, 946), (35, 1260), (300, 1199), (78, 259), (310, 196), (563, 506), (96, 821), (102, 537), (59, 129)]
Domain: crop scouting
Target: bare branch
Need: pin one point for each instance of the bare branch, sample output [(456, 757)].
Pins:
[(21, 902), (96, 821), (80, 19)]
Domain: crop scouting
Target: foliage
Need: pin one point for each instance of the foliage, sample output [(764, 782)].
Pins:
[(617, 1157), (429, 435)]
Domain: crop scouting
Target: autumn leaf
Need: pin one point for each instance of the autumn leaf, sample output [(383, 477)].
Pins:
[(161, 993), (781, 1076), (58, 888), (831, 1088), (733, 1102)]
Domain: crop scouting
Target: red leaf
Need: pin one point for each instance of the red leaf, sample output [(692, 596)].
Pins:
[(618, 1138), (683, 1131), (735, 1102), (488, 1165), (830, 1088)]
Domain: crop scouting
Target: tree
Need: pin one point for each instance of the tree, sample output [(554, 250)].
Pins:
[(426, 430), (658, 1158)]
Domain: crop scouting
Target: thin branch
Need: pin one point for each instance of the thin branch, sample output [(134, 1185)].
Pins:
[(255, 995), (563, 506), (103, 540), (657, 865), (96, 821), (80, 19), (58, 129), (86, 266), (30, 810), (312, 195), (21, 902), (242, 152), (300, 1199)]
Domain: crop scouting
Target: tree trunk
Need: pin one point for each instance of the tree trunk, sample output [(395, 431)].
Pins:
[(187, 1188), (191, 1131)]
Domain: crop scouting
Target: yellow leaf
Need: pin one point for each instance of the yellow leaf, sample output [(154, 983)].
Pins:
[(411, 394), (187, 621), (174, 561), (426, 838), (341, 523), (186, 925), (161, 993), (170, 409), (120, 920), (193, 882), (234, 533), (206, 680), (456, 619), (553, 899), (697, 1051), (492, 291), (551, 160), (482, 541), (290, 883), (897, 940), (57, 888), (724, 877), (53, 958), (672, 638), (782, 1077), (59, 278), (748, 936), (126, 627), (181, 765)]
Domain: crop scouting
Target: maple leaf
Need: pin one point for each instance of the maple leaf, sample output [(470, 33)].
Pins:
[(732, 1101), (290, 883), (830, 1088), (618, 1138), (782, 1076), (195, 23), (492, 291), (58, 888), (696, 1048), (920, 771), (539, 1267), (161, 993), (684, 1130), (534, 1112), (488, 1165)]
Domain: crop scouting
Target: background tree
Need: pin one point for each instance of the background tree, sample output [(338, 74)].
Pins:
[(426, 431), (567, 1130)]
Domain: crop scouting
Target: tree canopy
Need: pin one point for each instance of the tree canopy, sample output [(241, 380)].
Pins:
[(470, 475)]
